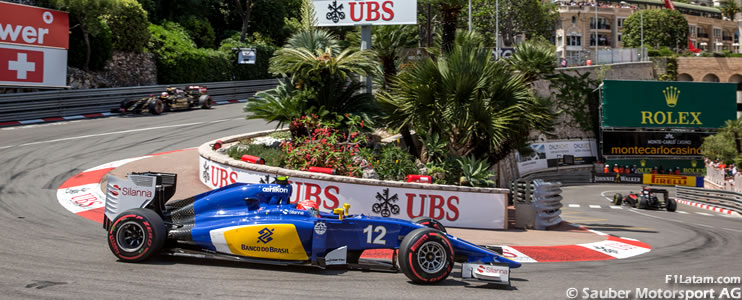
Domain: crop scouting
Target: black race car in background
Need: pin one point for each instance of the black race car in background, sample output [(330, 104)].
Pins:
[(171, 99), (647, 199)]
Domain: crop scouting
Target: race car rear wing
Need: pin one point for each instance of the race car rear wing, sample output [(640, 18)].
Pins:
[(146, 189)]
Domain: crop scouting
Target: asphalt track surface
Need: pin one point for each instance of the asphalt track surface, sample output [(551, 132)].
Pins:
[(47, 252)]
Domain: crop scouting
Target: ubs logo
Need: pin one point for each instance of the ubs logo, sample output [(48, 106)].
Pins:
[(265, 235), (335, 14)]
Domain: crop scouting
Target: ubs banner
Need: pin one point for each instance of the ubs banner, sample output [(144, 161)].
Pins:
[(643, 144), (550, 154), (668, 104)]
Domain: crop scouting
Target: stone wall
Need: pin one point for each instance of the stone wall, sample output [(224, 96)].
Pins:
[(123, 69), (712, 69)]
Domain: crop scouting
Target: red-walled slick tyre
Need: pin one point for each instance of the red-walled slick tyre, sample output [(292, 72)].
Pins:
[(429, 222), (426, 256), (136, 235)]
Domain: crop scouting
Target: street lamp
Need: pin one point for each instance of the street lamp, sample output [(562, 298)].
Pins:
[(641, 20), (595, 25), (469, 15)]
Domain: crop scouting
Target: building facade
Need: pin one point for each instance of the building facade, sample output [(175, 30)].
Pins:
[(576, 30)]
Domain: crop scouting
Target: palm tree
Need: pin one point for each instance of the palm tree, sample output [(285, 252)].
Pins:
[(317, 78), (449, 10), (390, 43), (534, 59), (476, 102)]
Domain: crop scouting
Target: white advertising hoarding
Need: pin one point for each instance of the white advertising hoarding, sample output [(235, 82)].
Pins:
[(357, 13), (451, 208), (547, 154), (32, 66)]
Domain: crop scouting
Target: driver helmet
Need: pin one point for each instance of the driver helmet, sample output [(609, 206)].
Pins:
[(309, 206), (171, 90)]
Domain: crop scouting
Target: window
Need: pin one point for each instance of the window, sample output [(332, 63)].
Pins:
[(717, 32), (574, 19), (692, 30), (620, 22), (559, 41), (574, 40), (619, 36), (602, 23)]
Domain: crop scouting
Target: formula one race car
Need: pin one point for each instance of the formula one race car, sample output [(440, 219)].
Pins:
[(257, 223), (172, 99), (647, 199)]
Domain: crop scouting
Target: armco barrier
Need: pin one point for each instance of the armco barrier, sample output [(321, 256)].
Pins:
[(547, 201), (719, 198), (454, 206), (24, 106)]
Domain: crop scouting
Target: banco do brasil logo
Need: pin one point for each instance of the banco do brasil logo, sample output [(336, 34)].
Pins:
[(265, 235)]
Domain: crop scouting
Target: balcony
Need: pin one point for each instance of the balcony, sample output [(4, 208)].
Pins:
[(727, 38), (703, 35), (601, 26)]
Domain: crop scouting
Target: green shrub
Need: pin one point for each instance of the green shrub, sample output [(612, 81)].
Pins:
[(326, 147), (272, 156), (101, 46), (200, 31), (395, 163), (178, 59), (474, 172), (129, 26)]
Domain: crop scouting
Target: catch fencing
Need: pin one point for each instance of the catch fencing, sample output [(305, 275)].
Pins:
[(61, 103)]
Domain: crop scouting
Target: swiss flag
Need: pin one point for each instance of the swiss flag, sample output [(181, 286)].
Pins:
[(21, 65)]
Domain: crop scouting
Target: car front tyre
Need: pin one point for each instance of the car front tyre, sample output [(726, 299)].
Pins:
[(429, 222), (617, 198), (156, 107), (426, 256), (136, 235)]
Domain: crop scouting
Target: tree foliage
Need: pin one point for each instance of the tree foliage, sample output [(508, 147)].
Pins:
[(86, 14), (534, 59), (200, 30), (129, 26), (529, 17), (726, 144), (729, 9), (662, 28), (478, 104)]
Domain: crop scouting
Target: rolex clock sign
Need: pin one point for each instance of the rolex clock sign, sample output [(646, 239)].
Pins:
[(668, 104), (358, 13)]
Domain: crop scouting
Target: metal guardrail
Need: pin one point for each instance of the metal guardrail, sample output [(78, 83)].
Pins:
[(720, 198), (36, 105)]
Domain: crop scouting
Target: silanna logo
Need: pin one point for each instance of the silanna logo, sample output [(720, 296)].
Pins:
[(265, 235), (386, 206), (335, 14)]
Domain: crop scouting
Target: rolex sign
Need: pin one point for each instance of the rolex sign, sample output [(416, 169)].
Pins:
[(668, 104), (357, 13)]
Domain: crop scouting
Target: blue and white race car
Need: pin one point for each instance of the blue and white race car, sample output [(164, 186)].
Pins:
[(257, 223)]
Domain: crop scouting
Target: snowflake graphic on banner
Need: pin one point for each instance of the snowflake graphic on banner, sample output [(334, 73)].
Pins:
[(386, 206), (335, 14)]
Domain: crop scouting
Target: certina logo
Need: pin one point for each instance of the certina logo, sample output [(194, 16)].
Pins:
[(265, 235), (275, 189)]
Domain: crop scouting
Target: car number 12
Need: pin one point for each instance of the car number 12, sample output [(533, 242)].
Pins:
[(379, 240)]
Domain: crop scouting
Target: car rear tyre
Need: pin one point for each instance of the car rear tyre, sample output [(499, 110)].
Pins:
[(429, 222), (426, 256), (207, 103), (136, 235), (672, 205), (643, 203), (156, 107), (617, 198)]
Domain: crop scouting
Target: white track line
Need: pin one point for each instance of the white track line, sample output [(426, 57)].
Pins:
[(735, 230), (682, 212), (594, 206), (118, 132), (574, 205), (703, 214), (616, 207)]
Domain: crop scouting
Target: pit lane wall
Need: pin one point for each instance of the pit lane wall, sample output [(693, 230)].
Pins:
[(453, 206)]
